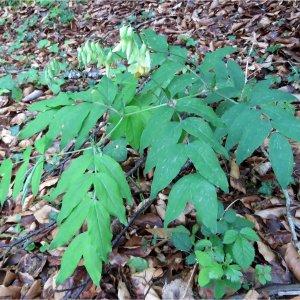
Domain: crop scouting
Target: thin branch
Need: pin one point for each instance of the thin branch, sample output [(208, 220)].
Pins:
[(290, 218), (189, 282), (146, 205)]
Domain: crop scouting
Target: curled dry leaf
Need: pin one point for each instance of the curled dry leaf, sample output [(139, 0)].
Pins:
[(267, 213), (235, 180), (266, 251), (251, 295), (42, 215), (292, 259)]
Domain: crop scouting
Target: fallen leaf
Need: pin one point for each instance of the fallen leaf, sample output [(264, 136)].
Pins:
[(42, 215), (252, 295), (292, 259), (10, 292), (266, 251)]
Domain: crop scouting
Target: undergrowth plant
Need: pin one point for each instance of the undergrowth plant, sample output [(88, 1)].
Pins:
[(181, 116)]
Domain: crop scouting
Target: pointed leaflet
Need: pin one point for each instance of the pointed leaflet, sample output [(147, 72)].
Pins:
[(200, 129), (106, 164), (72, 173), (170, 133), (72, 224), (198, 107), (164, 74), (75, 193), (252, 138), (281, 158), (71, 258), (239, 123), (39, 123), (207, 164), (195, 189), (168, 166), (5, 176), (96, 111), (62, 99), (288, 126), (73, 123), (108, 90), (230, 114), (92, 261), (99, 229), (108, 193), (37, 175), (157, 121), (261, 94), (236, 74), (20, 176)]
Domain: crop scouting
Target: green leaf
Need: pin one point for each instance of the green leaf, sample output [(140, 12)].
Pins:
[(72, 174), (204, 258), (249, 234), (71, 258), (252, 138), (39, 123), (243, 252), (230, 236), (216, 271), (137, 264), (203, 277), (181, 239), (281, 158), (99, 229), (195, 189), (5, 175), (108, 165), (107, 89), (200, 129), (198, 107), (261, 94), (108, 193), (156, 42), (21, 174), (92, 261), (75, 193), (95, 113), (239, 122), (207, 164), (72, 224), (37, 175), (167, 167), (236, 74), (163, 75), (116, 149)]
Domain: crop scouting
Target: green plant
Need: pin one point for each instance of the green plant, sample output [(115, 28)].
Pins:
[(263, 273), (223, 254), (169, 118)]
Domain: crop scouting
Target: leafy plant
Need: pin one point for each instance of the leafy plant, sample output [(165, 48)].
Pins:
[(263, 273), (222, 255), (178, 114)]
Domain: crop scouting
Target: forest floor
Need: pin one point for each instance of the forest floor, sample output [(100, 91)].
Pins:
[(266, 34)]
